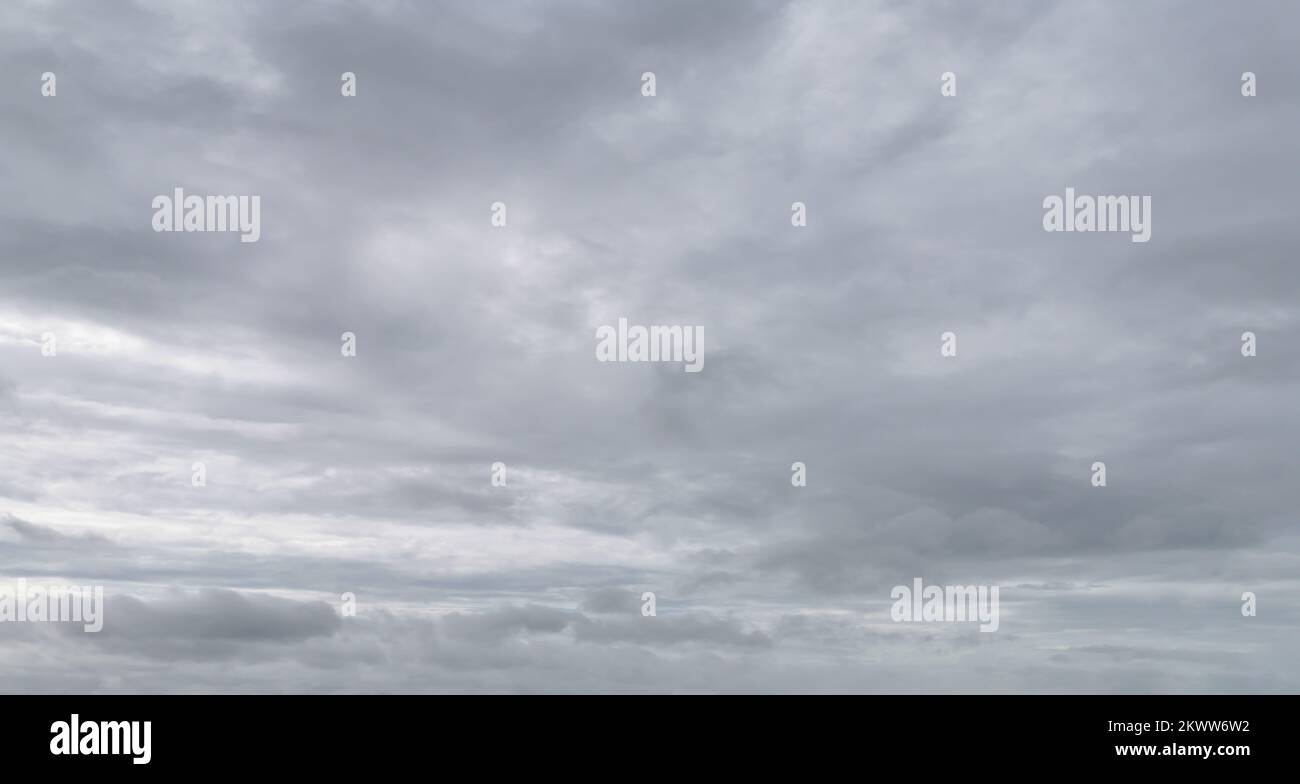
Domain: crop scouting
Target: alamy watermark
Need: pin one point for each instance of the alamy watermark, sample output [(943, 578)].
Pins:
[(948, 603), (656, 343), (55, 604), (77, 736), (179, 212), (1098, 213)]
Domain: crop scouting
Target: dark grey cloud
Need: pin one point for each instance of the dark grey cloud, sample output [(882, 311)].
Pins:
[(212, 624), (38, 536)]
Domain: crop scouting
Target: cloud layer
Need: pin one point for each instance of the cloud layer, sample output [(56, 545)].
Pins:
[(370, 475)]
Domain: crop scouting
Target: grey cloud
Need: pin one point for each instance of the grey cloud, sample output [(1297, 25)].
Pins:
[(370, 474), (212, 624), (43, 536)]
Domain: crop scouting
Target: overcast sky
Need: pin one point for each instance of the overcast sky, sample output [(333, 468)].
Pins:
[(475, 344)]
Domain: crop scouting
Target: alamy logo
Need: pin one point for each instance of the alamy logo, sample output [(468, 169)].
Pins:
[(179, 212), (1098, 213), (57, 604), (949, 603), (102, 737), (651, 344)]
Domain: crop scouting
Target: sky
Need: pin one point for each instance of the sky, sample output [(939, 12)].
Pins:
[(475, 344)]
